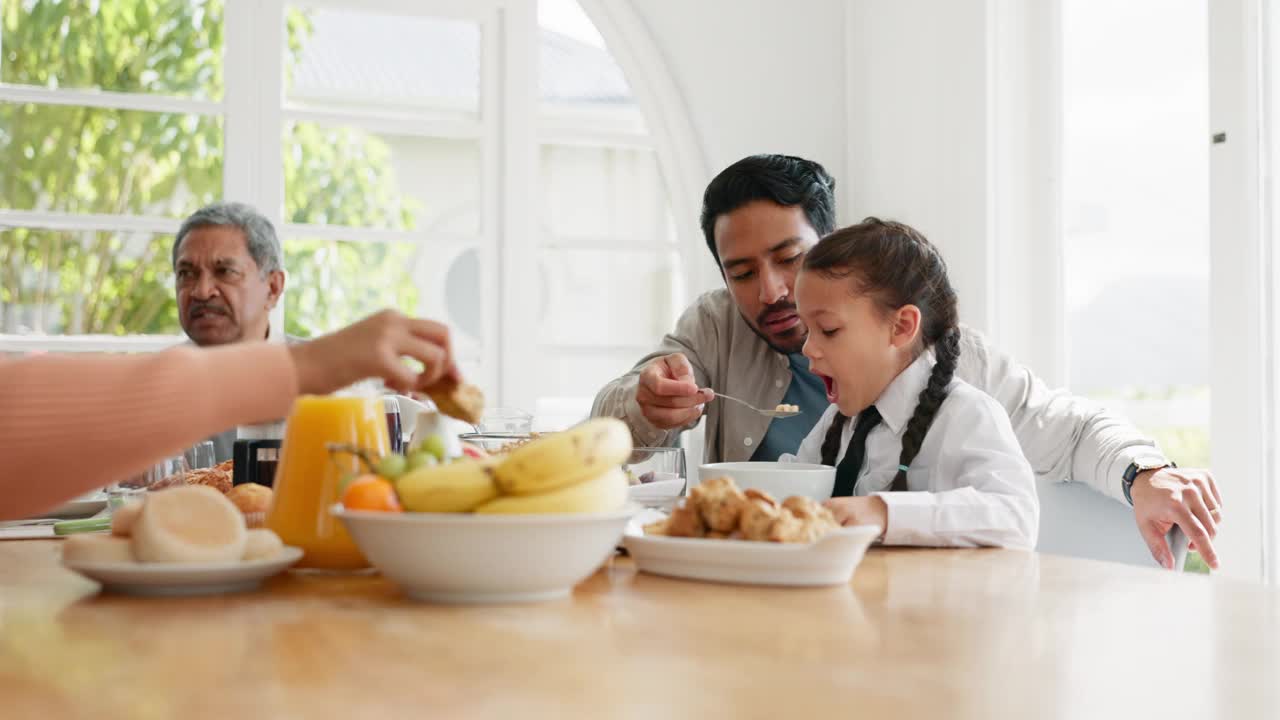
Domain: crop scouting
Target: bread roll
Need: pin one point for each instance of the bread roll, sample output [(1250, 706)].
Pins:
[(123, 518), (191, 524), (96, 548), (262, 544)]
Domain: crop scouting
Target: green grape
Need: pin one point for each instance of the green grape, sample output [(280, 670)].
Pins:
[(433, 444), (392, 466), (422, 459)]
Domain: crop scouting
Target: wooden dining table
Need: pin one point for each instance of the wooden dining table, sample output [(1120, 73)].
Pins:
[(917, 633)]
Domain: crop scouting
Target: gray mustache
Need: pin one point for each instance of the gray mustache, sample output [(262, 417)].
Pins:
[(208, 307)]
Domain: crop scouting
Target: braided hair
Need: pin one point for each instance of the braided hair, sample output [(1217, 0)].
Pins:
[(895, 265)]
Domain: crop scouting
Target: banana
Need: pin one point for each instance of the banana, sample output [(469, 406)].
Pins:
[(565, 458), (458, 486), (603, 493)]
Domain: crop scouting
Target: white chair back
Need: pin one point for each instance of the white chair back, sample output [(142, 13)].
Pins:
[(1077, 520)]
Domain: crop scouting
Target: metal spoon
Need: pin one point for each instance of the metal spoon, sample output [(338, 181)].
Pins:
[(766, 413)]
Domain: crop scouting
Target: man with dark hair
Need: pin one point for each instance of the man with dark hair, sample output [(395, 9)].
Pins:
[(759, 216)]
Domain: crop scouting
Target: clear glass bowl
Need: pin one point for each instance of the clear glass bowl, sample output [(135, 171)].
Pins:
[(496, 443)]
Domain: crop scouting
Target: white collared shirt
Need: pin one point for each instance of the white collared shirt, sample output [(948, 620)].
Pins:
[(969, 485)]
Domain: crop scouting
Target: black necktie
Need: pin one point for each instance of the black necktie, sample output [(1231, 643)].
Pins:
[(847, 469)]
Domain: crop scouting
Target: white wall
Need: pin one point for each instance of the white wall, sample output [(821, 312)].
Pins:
[(756, 76), (952, 129), (929, 112), (916, 92), (940, 114)]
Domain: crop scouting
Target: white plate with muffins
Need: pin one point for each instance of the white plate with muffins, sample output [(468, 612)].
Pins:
[(720, 533)]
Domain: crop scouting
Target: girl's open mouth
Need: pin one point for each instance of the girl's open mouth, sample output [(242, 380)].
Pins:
[(833, 390)]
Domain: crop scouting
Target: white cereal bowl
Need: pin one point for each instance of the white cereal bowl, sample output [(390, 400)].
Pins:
[(457, 558), (779, 479)]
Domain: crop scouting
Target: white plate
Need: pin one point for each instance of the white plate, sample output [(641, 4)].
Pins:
[(83, 506), (658, 494), (170, 579), (829, 561)]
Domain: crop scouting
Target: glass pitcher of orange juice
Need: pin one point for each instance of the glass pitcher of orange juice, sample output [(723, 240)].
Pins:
[(308, 476)]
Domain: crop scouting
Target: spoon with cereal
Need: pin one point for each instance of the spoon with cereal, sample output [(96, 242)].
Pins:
[(781, 411)]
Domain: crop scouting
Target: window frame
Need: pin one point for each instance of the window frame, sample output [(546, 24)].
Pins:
[(510, 129), (1245, 404)]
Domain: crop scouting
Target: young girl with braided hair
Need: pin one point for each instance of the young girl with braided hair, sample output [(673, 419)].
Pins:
[(922, 454)]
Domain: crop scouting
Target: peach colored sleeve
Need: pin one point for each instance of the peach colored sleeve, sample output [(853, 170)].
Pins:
[(69, 424)]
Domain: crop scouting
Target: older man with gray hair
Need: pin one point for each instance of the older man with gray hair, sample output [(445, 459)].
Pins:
[(229, 273)]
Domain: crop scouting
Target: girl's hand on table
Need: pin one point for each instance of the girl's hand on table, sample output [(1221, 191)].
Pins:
[(870, 510)]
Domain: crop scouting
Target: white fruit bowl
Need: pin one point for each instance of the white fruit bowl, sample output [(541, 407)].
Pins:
[(474, 559), (779, 479)]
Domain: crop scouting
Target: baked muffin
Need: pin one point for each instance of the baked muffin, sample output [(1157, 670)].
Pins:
[(720, 502), (253, 501), (758, 516)]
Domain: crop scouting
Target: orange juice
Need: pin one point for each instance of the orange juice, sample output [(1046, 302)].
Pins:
[(307, 479)]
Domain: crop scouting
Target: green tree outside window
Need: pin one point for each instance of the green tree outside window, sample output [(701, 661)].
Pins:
[(125, 162)]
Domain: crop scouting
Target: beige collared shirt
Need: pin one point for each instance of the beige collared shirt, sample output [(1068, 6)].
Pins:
[(1064, 437)]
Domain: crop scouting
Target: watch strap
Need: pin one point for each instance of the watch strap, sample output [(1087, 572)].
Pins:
[(1137, 466)]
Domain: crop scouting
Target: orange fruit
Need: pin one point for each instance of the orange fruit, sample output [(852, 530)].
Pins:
[(371, 492)]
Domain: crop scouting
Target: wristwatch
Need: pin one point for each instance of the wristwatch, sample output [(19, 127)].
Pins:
[(1137, 466)]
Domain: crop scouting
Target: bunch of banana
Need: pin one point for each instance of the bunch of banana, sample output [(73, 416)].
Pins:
[(577, 470), (458, 486)]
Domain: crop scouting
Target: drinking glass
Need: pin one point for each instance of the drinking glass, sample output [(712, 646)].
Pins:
[(166, 472), (505, 420), (200, 455), (653, 472), (395, 426)]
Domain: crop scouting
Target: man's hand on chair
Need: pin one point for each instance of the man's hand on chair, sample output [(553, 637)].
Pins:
[(1184, 497)]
